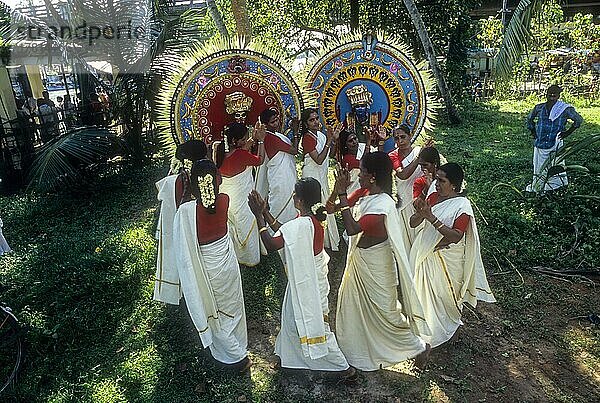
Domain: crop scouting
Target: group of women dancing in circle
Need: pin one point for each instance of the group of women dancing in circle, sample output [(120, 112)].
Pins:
[(413, 257)]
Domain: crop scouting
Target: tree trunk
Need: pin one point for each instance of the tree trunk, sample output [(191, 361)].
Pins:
[(216, 16), (354, 14), (239, 8), (417, 21)]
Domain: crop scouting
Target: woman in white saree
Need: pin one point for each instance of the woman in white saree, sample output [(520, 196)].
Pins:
[(236, 168), (173, 190), (405, 162), (446, 255), (374, 329), (305, 340), (280, 167), (429, 161), (209, 270), (316, 147)]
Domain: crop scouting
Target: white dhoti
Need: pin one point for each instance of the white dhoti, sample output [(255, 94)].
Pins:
[(541, 182), (212, 287), (281, 177), (241, 222), (311, 169), (305, 340), (374, 328), (447, 278), (166, 284)]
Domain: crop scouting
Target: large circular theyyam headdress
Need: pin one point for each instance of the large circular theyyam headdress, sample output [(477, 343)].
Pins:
[(369, 81), (220, 83)]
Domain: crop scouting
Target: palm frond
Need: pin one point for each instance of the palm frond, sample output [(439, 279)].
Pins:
[(516, 37), (571, 149), (554, 165), (508, 186), (60, 161)]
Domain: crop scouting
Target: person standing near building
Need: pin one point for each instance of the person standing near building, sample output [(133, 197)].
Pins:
[(548, 134)]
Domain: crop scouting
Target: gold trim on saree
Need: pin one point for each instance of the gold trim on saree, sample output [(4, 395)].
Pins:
[(313, 340)]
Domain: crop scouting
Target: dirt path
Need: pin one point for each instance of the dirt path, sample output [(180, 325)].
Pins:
[(523, 348)]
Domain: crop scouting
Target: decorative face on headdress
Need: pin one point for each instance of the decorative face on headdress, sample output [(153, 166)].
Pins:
[(238, 104), (237, 65), (361, 99)]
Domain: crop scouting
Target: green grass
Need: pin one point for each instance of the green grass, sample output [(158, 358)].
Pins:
[(81, 280)]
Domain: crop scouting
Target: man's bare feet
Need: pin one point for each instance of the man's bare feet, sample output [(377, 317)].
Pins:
[(421, 359)]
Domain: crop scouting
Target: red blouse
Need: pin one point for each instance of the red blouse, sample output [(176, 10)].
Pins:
[(211, 227), (350, 161), (237, 162), (318, 241), (273, 145), (420, 187), (309, 143), (396, 159), (462, 221), (372, 225)]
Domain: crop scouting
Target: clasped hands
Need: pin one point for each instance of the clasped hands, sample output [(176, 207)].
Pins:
[(334, 133), (376, 134), (257, 204), (423, 210), (342, 181)]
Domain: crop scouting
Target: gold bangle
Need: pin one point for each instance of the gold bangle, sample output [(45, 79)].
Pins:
[(263, 229), (345, 208), (273, 223)]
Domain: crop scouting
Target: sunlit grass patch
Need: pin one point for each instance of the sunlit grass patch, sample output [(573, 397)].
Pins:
[(583, 344), (107, 391)]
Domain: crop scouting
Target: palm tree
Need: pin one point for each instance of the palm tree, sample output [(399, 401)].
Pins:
[(419, 25), (517, 36), (217, 18), (239, 8)]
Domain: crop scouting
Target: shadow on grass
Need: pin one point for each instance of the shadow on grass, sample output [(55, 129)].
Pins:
[(79, 270)]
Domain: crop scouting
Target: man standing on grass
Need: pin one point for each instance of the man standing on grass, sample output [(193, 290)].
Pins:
[(548, 134)]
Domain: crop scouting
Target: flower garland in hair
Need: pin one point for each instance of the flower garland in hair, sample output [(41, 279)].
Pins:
[(315, 208), (207, 191), (175, 165)]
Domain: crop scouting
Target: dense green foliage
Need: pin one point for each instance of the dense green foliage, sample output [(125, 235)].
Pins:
[(558, 230), (304, 26), (448, 23), (81, 279), (528, 52)]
